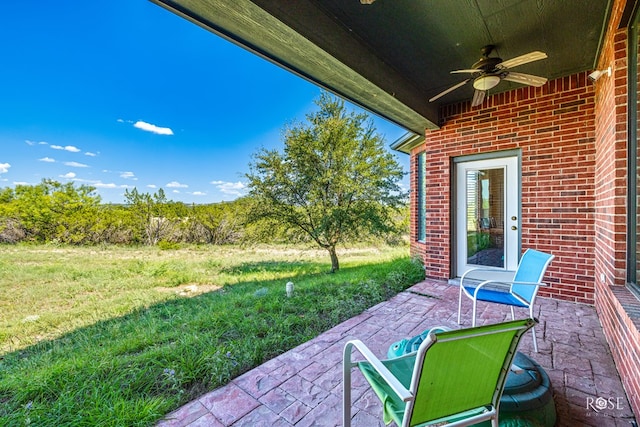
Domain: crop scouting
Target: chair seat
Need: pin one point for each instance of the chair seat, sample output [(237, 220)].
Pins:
[(498, 297), (402, 368), (393, 407)]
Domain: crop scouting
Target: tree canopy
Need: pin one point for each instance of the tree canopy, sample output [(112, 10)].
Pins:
[(48, 211), (53, 212), (333, 182)]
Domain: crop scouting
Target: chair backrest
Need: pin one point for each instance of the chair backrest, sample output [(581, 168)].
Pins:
[(460, 370), (531, 268), (485, 223)]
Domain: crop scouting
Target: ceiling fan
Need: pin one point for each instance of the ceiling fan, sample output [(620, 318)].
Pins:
[(488, 71)]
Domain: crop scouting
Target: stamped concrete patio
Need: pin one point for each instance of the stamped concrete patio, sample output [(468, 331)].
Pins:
[(303, 387)]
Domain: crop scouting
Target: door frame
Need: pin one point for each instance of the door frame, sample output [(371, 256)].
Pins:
[(511, 154)]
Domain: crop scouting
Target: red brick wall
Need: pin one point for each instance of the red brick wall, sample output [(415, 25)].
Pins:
[(618, 309), (614, 305), (573, 139), (554, 127)]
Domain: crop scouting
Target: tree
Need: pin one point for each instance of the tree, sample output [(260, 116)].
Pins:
[(151, 212), (11, 230), (51, 211), (217, 224), (76, 209), (334, 181)]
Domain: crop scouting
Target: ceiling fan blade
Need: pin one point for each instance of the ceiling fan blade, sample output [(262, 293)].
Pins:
[(525, 79), (523, 59), (478, 97), (468, 70), (451, 89)]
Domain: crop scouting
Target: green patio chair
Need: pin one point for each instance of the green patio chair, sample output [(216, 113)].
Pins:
[(455, 376), (522, 288)]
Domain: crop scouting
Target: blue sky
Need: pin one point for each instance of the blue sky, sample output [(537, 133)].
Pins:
[(122, 94)]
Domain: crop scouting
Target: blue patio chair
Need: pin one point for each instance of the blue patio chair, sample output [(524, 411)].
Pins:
[(455, 377), (521, 291)]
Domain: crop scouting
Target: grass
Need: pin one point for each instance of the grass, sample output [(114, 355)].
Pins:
[(121, 336)]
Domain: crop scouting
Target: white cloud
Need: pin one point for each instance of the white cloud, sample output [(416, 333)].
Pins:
[(90, 154), (148, 127), (128, 175), (198, 193), (20, 183), (176, 184), (100, 184), (69, 148), (103, 185), (76, 165), (95, 183), (47, 160), (176, 191), (152, 186), (4, 167), (231, 188)]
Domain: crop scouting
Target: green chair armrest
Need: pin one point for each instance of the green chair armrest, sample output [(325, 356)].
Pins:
[(384, 372)]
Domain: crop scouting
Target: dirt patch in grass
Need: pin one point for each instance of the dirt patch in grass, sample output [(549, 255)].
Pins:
[(189, 289)]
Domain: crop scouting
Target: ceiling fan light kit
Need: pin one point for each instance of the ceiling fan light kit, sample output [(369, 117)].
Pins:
[(489, 71), (486, 82)]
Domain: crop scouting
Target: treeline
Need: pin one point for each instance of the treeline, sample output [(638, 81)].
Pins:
[(53, 212)]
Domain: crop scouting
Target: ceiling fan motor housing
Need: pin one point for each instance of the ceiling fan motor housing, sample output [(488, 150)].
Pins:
[(487, 64)]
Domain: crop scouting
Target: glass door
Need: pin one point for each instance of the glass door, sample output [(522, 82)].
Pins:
[(487, 214)]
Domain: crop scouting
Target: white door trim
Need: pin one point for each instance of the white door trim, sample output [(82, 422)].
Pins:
[(512, 203)]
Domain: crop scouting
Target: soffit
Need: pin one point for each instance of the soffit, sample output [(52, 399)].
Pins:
[(391, 56)]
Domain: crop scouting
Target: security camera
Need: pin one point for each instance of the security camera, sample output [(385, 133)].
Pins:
[(598, 73), (595, 75)]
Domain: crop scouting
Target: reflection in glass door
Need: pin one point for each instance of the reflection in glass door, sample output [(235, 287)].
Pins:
[(485, 217)]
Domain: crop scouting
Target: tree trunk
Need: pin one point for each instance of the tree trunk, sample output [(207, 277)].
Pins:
[(335, 265)]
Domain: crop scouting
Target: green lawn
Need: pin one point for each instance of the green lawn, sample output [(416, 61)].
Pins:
[(112, 336)]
